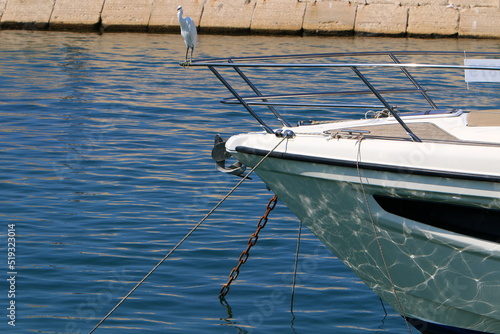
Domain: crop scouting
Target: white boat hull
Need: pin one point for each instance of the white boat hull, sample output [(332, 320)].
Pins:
[(424, 272)]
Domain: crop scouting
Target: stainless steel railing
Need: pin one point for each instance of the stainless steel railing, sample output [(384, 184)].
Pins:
[(322, 62)]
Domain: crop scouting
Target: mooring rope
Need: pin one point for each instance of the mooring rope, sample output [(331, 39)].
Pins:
[(295, 266), (185, 237), (377, 238)]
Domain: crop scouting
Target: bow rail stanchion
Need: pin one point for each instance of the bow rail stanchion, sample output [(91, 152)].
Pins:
[(390, 108), (240, 99), (414, 82), (258, 93)]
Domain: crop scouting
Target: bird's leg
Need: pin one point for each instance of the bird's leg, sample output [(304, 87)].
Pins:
[(185, 63), (191, 58)]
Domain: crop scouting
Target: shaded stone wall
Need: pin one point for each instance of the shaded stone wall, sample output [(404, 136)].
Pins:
[(438, 18)]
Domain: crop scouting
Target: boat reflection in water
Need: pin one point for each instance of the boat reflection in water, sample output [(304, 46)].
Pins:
[(408, 198)]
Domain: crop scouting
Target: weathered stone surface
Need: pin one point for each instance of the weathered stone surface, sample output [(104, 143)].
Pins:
[(69, 14), (369, 2), (332, 17), (381, 20), (480, 22), (475, 3), (458, 3), (125, 15), (2, 7), (23, 14), (273, 16), (227, 15), (423, 2), (432, 21), (164, 14)]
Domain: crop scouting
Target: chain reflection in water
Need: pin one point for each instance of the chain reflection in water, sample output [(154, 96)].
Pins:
[(268, 303)]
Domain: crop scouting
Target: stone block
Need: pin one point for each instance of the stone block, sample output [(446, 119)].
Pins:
[(271, 16), (480, 22), (329, 18), (227, 15), (381, 20), (164, 14), (69, 14), (432, 21), (22, 14), (125, 15)]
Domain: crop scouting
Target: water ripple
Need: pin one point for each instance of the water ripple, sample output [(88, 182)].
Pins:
[(105, 164)]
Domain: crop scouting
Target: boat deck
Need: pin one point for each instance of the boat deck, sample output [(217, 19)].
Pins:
[(473, 128), (484, 118), (424, 130)]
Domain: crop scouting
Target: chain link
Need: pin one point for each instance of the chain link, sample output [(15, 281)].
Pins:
[(251, 242)]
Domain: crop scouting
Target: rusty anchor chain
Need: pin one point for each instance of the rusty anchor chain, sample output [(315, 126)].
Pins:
[(251, 242)]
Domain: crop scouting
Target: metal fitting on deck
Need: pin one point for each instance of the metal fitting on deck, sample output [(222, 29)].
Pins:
[(284, 134)]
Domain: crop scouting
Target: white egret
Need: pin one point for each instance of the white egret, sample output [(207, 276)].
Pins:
[(188, 32)]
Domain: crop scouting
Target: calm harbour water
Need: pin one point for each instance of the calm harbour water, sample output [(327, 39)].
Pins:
[(105, 165)]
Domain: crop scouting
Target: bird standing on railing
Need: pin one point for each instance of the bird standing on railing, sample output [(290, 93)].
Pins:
[(188, 32)]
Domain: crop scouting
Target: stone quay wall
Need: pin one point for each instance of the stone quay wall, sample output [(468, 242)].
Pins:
[(414, 18)]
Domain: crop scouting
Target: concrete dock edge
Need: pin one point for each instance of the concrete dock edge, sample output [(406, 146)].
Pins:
[(414, 18), (70, 15)]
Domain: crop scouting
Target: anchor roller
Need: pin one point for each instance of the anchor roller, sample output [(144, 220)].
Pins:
[(220, 155)]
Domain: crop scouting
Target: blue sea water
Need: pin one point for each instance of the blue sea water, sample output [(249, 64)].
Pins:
[(105, 165)]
